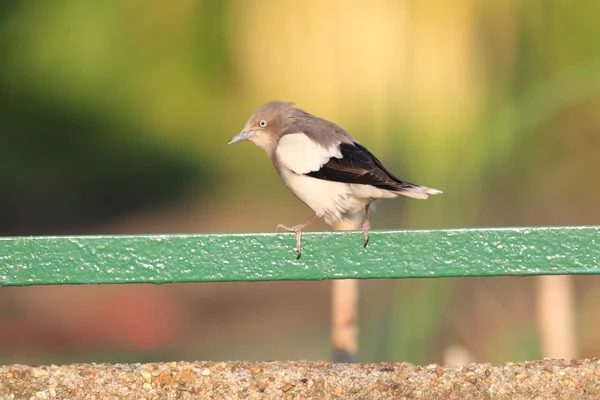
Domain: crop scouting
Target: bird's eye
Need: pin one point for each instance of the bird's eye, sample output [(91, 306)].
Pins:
[(262, 123)]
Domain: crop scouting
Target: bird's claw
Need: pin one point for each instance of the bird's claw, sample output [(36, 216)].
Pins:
[(298, 231), (365, 229), (299, 243), (286, 228)]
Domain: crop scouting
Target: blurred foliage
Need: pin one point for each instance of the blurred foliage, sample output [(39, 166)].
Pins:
[(119, 108)]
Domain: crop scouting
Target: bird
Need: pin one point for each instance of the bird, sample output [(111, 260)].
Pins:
[(324, 166)]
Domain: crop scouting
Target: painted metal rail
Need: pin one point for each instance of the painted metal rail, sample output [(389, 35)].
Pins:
[(161, 259)]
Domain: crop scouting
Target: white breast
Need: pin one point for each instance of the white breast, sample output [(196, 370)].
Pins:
[(301, 154)]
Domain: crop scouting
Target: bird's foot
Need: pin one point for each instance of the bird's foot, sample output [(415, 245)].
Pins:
[(367, 223), (288, 228), (365, 230), (297, 229)]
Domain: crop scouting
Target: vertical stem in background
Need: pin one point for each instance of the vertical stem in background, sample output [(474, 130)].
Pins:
[(554, 296), (344, 323)]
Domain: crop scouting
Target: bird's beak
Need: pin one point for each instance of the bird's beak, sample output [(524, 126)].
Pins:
[(241, 136)]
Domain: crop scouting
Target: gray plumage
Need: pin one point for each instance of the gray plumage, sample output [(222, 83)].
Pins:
[(323, 165)]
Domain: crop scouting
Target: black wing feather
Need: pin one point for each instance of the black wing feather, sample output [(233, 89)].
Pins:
[(359, 166)]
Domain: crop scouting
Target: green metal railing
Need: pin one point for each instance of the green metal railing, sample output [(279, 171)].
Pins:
[(326, 255)]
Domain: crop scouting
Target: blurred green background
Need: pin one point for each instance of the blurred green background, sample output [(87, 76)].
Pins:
[(114, 118)]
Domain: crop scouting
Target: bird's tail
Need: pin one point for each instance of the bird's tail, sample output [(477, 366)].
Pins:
[(417, 192)]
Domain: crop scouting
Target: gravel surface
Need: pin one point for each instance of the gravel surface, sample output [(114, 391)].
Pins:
[(546, 379)]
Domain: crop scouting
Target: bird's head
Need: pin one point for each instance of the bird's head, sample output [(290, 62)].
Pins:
[(267, 124)]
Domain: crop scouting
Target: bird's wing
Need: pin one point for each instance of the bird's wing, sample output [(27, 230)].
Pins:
[(339, 162), (359, 166)]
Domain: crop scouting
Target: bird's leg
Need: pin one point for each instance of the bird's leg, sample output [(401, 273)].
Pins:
[(298, 230), (366, 224)]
